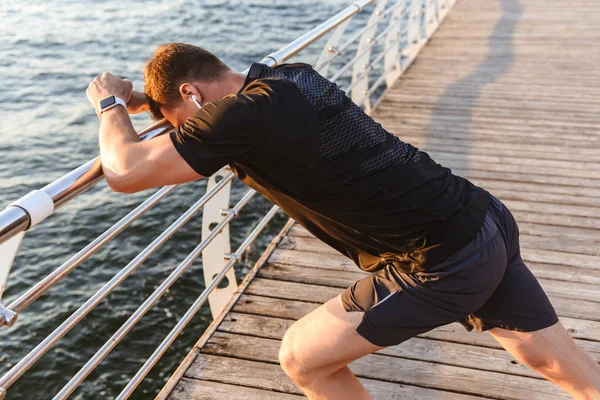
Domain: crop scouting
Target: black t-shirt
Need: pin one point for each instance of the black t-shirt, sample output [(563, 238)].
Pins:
[(297, 139)]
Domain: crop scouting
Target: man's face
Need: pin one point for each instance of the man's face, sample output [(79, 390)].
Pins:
[(177, 114)]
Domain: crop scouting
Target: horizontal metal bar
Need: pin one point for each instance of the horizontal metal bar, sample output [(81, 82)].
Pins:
[(315, 34), (28, 297), (338, 51), (166, 343), (14, 220), (34, 355), (149, 302)]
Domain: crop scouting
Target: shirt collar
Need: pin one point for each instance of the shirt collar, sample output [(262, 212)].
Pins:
[(254, 73)]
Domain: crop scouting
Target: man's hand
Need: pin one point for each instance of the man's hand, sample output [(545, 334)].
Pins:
[(130, 165), (107, 85)]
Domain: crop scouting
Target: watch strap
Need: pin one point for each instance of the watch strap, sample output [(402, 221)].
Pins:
[(110, 102)]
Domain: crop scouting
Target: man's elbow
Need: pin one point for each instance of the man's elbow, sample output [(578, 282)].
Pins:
[(121, 183)]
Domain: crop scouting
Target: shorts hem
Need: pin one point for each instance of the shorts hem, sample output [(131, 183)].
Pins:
[(486, 326), (349, 305)]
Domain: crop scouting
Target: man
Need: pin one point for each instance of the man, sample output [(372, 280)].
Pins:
[(439, 248)]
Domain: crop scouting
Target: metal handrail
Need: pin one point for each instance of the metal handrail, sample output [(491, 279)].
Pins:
[(16, 219)]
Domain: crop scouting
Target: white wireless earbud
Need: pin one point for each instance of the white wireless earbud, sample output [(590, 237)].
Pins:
[(195, 100)]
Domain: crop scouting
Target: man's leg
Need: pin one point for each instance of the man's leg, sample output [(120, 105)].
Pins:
[(316, 350), (553, 353)]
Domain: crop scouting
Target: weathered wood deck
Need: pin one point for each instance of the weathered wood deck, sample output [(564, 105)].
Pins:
[(507, 93)]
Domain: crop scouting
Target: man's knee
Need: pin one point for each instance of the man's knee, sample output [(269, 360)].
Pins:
[(289, 358), (297, 361)]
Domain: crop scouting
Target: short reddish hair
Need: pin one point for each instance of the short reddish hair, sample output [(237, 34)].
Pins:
[(173, 64)]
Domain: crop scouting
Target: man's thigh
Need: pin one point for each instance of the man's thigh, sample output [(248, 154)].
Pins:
[(326, 339), (552, 352), (539, 344)]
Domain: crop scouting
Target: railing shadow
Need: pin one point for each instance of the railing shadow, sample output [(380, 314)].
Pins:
[(460, 97)]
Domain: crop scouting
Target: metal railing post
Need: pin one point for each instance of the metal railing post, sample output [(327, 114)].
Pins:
[(331, 47), (429, 17), (360, 70), (214, 255), (410, 31), (391, 64)]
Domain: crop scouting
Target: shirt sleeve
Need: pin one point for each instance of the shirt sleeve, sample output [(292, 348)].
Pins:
[(220, 133)]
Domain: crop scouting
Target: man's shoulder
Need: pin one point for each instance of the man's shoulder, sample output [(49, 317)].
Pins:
[(268, 86), (265, 92), (264, 77)]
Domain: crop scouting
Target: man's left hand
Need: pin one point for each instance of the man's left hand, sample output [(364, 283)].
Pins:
[(107, 85)]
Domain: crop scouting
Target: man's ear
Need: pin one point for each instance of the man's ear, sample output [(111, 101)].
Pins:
[(186, 90)]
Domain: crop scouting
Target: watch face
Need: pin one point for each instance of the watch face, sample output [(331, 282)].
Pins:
[(109, 101)]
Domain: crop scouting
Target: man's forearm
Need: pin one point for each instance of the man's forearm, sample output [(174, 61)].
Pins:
[(137, 103), (117, 138)]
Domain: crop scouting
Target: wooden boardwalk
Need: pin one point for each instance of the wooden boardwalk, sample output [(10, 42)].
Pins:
[(507, 93)]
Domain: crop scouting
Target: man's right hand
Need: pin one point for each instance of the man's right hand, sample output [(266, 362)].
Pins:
[(137, 103), (108, 84)]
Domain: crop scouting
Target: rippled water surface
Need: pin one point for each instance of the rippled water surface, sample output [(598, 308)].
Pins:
[(49, 51)]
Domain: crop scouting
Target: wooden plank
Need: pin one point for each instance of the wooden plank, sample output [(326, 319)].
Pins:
[(504, 90), (382, 368), (188, 389), (488, 126), (585, 169), (292, 290), (463, 147), (514, 186), (540, 229), (520, 104), (558, 220), (458, 112), (241, 372)]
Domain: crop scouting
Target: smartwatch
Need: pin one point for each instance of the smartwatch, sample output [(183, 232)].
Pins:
[(110, 102)]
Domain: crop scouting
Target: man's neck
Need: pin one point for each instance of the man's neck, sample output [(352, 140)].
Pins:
[(231, 83)]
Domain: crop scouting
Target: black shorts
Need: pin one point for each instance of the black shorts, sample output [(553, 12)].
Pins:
[(484, 285)]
